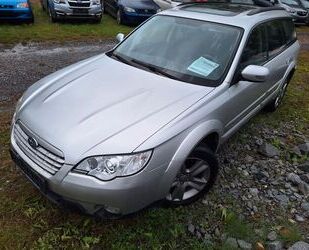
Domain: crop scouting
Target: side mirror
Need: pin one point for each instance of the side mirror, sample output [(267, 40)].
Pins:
[(255, 73), (120, 37)]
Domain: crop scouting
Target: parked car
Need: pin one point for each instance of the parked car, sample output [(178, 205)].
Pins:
[(131, 12), (142, 123), (73, 9), (16, 10), (295, 9), (305, 5), (167, 4)]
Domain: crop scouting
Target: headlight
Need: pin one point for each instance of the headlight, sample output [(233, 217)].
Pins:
[(59, 1), (108, 167), (96, 2), (159, 10), (18, 104), (128, 9), (23, 5), (291, 11)]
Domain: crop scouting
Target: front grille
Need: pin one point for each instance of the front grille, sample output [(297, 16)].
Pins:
[(79, 3), (44, 158), (145, 11), (302, 13)]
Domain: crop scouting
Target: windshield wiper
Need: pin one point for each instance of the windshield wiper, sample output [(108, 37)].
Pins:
[(154, 69), (120, 58)]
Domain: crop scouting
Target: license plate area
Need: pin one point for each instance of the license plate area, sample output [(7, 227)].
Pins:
[(81, 11), (33, 176)]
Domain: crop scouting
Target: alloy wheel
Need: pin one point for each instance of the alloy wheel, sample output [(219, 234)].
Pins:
[(190, 181), (281, 94)]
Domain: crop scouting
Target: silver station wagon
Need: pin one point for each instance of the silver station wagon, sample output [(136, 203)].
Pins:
[(142, 123)]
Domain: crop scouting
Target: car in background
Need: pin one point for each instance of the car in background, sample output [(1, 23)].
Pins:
[(295, 9), (16, 10), (305, 5), (131, 12), (167, 4), (73, 9)]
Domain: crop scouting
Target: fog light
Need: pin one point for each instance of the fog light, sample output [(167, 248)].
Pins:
[(112, 210)]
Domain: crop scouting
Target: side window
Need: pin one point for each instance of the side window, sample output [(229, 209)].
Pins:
[(289, 30), (255, 51), (276, 37)]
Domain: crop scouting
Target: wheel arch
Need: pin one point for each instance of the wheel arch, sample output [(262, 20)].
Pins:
[(208, 133)]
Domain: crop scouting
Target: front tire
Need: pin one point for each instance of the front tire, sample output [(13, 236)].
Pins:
[(195, 177), (51, 15)]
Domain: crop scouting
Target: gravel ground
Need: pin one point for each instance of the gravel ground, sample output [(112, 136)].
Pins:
[(22, 65)]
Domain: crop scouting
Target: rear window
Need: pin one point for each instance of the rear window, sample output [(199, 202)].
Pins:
[(280, 33), (276, 37), (289, 31)]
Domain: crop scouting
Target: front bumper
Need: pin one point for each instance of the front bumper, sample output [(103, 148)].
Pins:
[(117, 197), (66, 11), (16, 14)]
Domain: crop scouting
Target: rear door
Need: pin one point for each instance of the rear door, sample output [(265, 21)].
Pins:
[(278, 61)]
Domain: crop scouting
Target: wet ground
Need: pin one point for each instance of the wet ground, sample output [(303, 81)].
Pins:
[(23, 65)]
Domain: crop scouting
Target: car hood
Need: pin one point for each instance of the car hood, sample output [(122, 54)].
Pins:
[(102, 106), (293, 7), (140, 4)]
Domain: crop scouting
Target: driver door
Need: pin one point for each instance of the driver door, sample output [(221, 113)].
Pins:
[(246, 96)]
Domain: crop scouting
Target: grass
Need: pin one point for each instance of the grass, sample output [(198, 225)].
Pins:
[(44, 30)]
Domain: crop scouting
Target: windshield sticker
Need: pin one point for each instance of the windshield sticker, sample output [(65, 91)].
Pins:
[(203, 66)]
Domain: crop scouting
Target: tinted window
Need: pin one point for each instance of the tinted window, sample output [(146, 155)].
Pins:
[(255, 51), (276, 37), (289, 31)]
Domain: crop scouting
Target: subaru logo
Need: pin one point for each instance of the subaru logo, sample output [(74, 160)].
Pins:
[(32, 142)]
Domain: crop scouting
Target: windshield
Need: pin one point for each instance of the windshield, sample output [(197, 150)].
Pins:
[(188, 50), (305, 3)]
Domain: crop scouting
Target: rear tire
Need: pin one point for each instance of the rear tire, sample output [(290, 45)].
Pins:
[(119, 17), (195, 178), (274, 104)]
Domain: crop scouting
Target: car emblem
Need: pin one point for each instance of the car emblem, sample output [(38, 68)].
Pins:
[(33, 142)]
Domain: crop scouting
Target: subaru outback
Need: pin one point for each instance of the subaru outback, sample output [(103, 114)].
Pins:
[(142, 123)]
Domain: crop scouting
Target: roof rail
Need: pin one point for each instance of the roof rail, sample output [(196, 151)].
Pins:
[(263, 9)]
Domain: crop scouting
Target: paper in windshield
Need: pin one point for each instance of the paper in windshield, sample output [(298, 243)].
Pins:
[(203, 66)]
